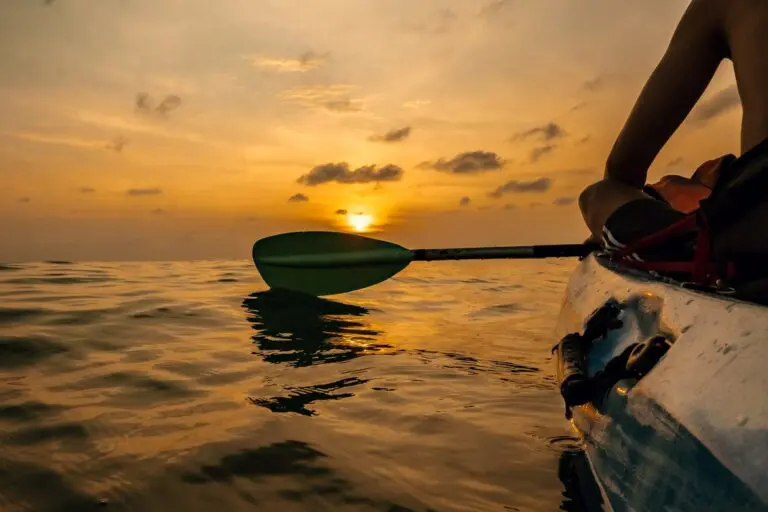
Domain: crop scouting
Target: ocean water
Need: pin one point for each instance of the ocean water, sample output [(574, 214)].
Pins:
[(189, 386)]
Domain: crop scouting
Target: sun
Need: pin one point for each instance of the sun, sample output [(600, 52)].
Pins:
[(360, 222)]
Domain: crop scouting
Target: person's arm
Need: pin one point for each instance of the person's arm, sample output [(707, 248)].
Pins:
[(694, 53)]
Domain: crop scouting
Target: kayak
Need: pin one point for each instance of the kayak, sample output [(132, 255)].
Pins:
[(666, 386)]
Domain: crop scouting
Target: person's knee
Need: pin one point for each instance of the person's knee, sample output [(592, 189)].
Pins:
[(587, 197)]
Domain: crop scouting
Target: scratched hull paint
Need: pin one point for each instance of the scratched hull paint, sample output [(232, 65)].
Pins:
[(693, 433)]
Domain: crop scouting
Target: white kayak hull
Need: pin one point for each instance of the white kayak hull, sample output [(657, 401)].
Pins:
[(692, 433)]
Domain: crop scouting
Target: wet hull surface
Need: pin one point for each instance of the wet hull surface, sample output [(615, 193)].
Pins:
[(692, 434)]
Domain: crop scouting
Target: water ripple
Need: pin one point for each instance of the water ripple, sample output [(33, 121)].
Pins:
[(184, 386)]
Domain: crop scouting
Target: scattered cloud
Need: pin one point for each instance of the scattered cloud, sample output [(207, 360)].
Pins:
[(341, 211), (305, 62), (675, 162), (579, 106), (541, 151), (341, 173), (316, 93), (465, 201), (25, 199), (415, 104), (63, 140), (117, 144), (594, 84), (333, 97), (140, 192), (470, 162), (159, 211), (298, 198), (517, 186), (547, 132), (718, 104), (86, 190), (494, 8), (396, 135), (564, 201), (344, 105), (145, 105)]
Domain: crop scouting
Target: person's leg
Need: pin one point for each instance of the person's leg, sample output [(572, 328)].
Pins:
[(599, 200)]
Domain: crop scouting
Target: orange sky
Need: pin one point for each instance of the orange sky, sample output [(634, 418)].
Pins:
[(184, 129)]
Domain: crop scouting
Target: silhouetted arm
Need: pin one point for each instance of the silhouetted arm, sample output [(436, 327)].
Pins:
[(694, 53)]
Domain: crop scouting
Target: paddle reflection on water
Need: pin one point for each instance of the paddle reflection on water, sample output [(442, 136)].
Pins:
[(300, 330)]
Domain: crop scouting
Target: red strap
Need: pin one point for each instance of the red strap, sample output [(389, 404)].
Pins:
[(701, 269)]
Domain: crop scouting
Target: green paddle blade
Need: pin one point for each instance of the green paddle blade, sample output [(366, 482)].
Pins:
[(327, 263)]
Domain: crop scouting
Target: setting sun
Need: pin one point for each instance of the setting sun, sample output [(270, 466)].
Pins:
[(359, 221)]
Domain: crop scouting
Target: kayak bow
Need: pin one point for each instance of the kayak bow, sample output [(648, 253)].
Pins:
[(666, 386)]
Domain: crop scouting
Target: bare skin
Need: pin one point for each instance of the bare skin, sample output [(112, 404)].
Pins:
[(709, 32)]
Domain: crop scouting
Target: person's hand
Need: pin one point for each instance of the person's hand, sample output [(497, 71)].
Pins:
[(592, 240)]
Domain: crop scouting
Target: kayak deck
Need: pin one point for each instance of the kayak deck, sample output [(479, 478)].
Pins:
[(692, 433)]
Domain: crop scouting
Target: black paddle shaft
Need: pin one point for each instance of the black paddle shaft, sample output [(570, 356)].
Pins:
[(493, 253)]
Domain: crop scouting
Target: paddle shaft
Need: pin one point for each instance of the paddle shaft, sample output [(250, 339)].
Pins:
[(380, 257), (494, 253)]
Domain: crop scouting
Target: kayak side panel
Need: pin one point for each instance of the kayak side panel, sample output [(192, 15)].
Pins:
[(695, 429)]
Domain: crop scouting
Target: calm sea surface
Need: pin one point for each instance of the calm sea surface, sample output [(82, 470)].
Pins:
[(187, 386)]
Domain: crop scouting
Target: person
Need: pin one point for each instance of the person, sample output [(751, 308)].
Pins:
[(621, 208)]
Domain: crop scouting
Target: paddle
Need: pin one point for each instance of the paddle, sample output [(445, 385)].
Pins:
[(327, 263)]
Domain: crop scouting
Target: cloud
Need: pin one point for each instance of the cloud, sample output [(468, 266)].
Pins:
[(594, 85), (332, 97), (470, 162), (168, 104), (298, 198), (145, 105), (718, 104), (494, 8), (64, 140), (675, 162), (25, 199), (305, 62), (397, 135), (510, 206), (86, 190), (539, 152), (341, 173), (341, 211), (516, 186), (465, 201), (585, 139), (579, 106), (564, 201), (547, 132), (344, 105), (117, 144), (316, 93), (140, 192), (159, 211), (415, 104)]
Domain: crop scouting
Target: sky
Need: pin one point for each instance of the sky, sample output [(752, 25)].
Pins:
[(189, 129)]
